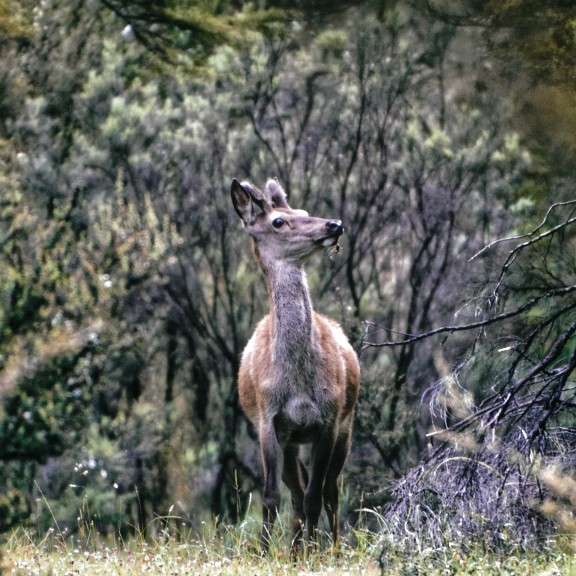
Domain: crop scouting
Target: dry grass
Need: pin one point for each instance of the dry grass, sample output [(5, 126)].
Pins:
[(231, 550), (223, 552), (176, 549)]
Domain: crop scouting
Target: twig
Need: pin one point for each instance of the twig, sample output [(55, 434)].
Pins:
[(531, 233), (473, 325)]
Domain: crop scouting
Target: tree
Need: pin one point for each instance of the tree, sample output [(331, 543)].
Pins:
[(504, 415), (187, 32), (92, 263), (132, 260), (531, 50), (412, 169)]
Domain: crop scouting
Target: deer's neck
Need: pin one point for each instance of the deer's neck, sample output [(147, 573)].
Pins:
[(291, 314)]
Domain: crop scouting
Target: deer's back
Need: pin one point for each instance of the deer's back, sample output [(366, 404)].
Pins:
[(331, 382)]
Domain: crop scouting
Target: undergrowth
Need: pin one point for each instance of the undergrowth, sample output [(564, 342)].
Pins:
[(221, 550)]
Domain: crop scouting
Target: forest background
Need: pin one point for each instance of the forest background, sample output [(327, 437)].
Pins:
[(442, 134)]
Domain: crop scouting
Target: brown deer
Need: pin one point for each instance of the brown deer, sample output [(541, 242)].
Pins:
[(299, 377)]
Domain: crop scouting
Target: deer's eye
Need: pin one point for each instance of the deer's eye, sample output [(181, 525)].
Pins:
[(278, 222)]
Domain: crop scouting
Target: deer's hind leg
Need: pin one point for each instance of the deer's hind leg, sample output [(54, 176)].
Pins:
[(321, 457), (295, 477), (330, 492)]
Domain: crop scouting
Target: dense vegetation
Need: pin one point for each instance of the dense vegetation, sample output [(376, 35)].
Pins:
[(128, 289)]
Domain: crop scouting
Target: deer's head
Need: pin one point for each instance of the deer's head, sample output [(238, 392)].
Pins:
[(279, 232)]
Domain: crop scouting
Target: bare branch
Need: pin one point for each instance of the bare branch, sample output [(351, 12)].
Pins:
[(474, 325), (531, 233)]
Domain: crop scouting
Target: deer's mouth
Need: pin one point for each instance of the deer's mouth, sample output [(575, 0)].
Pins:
[(334, 230), (329, 241)]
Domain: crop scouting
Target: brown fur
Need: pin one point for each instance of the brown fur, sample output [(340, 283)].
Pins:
[(299, 378)]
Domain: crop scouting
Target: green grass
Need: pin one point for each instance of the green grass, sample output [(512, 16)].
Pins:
[(231, 550), (176, 549), (226, 550)]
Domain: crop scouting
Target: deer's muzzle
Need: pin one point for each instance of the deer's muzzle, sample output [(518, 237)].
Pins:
[(334, 230)]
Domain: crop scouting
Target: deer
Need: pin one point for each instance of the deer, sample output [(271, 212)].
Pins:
[(299, 377)]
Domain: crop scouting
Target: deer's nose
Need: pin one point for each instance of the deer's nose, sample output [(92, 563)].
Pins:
[(334, 227)]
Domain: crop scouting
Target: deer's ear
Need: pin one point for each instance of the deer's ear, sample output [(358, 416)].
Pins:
[(276, 193), (242, 202)]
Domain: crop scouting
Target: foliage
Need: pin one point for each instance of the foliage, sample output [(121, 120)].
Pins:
[(531, 51), (186, 32), (128, 290), (14, 21)]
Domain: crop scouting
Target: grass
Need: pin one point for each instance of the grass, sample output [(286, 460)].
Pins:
[(231, 550), (227, 550), (172, 548)]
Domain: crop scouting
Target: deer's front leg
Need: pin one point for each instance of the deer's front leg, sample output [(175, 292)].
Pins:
[(272, 460)]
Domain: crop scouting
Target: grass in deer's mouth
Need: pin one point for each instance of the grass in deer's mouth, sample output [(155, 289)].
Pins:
[(335, 250)]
